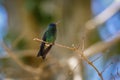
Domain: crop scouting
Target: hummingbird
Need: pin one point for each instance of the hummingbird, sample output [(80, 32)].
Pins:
[(49, 37)]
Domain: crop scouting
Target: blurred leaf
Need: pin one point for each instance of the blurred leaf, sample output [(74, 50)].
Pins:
[(93, 37), (10, 37), (115, 50), (32, 61), (40, 16), (22, 44)]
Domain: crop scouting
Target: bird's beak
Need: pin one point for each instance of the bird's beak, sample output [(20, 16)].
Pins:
[(57, 22)]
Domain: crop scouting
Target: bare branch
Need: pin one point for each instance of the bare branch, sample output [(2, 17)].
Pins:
[(100, 46), (90, 63), (40, 40), (106, 67), (96, 59), (104, 16)]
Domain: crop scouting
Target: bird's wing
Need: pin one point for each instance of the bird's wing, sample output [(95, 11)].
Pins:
[(44, 37), (46, 51), (42, 46)]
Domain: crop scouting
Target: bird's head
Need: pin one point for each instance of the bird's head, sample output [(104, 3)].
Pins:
[(53, 25)]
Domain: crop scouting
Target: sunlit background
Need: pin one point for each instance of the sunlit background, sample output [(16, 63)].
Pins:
[(23, 20)]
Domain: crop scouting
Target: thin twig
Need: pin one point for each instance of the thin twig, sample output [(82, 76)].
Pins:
[(71, 71), (113, 76), (63, 46), (118, 72), (106, 67), (96, 59), (91, 64)]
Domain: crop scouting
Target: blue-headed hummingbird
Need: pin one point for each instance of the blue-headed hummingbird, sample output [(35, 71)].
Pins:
[(49, 37)]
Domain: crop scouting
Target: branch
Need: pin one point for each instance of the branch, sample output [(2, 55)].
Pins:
[(77, 51), (100, 46), (90, 63), (106, 67), (103, 16), (96, 59), (40, 40)]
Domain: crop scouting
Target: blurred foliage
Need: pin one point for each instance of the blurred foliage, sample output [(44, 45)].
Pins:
[(4, 61), (1, 1), (22, 44), (10, 37), (114, 50), (32, 61), (93, 37), (34, 6)]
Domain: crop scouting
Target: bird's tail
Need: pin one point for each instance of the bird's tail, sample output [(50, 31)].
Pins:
[(43, 53), (39, 53)]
